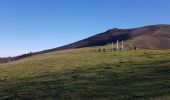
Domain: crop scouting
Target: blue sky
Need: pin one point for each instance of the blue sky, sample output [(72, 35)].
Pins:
[(34, 25)]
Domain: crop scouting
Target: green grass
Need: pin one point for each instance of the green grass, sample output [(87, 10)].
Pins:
[(84, 75)]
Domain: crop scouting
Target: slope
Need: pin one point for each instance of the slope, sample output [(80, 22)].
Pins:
[(79, 74), (147, 37)]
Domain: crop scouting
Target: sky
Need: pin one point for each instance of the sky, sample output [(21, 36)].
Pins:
[(35, 25)]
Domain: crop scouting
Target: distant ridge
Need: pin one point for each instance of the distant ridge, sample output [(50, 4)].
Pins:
[(147, 37)]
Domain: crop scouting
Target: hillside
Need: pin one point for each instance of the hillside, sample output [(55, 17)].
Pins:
[(79, 74), (147, 37)]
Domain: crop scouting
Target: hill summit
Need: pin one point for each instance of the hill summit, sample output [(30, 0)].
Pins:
[(147, 37)]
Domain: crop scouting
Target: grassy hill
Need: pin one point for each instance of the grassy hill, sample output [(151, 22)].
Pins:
[(79, 74), (147, 37), (153, 37)]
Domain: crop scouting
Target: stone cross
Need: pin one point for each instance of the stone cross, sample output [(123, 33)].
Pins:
[(117, 45), (122, 44)]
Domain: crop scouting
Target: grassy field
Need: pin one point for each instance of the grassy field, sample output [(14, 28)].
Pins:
[(84, 75)]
